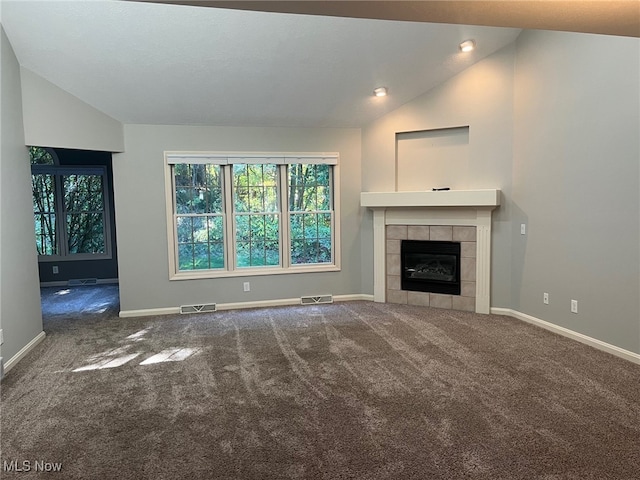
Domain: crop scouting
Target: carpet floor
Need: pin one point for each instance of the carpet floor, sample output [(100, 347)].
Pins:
[(353, 390)]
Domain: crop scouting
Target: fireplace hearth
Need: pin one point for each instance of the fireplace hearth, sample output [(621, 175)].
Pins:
[(430, 266)]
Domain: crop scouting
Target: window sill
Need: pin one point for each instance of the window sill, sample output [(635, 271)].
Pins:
[(252, 272)]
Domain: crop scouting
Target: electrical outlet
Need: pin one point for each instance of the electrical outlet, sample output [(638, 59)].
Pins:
[(246, 286), (55, 269), (523, 228), (574, 306), (545, 298)]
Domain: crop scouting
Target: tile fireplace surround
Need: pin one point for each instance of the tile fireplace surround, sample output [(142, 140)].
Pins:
[(455, 215)]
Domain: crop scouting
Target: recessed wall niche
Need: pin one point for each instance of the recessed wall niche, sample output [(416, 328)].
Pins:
[(436, 158)]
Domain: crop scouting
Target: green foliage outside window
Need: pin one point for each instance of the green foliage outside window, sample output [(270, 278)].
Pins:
[(255, 193), (200, 214), (84, 208), (68, 206), (44, 208), (310, 213), (41, 156), (199, 220)]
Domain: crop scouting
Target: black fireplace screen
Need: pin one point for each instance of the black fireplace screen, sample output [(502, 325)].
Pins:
[(430, 266)]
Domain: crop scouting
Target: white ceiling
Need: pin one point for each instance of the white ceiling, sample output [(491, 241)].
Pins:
[(168, 64)]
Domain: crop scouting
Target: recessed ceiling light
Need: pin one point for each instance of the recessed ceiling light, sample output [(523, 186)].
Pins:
[(467, 46), (380, 92)]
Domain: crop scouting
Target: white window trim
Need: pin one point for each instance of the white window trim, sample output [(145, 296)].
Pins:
[(226, 158)]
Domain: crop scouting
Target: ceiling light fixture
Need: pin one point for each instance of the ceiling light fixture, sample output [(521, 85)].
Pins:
[(380, 92), (467, 46)]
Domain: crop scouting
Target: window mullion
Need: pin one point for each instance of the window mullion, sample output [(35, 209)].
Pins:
[(106, 224), (285, 237), (61, 217), (229, 217), (174, 215)]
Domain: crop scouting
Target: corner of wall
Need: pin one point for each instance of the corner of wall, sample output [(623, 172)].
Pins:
[(56, 118), (20, 313)]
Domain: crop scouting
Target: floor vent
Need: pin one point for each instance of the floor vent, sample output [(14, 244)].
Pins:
[(316, 300), (207, 307), (74, 282)]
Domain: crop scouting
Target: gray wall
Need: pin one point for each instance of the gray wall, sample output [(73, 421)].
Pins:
[(480, 97), (55, 118), (576, 182), (141, 221), (20, 314), (554, 123)]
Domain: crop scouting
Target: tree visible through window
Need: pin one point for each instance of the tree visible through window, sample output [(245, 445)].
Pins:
[(257, 216), (68, 207), (252, 214), (200, 218), (310, 213)]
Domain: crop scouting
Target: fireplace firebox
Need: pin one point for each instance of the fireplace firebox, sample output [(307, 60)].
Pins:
[(430, 266)]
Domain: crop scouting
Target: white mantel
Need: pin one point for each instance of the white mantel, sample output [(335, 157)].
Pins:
[(445, 198), (449, 207)]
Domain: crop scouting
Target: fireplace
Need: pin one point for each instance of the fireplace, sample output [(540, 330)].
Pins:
[(453, 216), (430, 266)]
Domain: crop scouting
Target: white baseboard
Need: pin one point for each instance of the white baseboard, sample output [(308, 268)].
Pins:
[(148, 312), (565, 332), (23, 351), (240, 305), (65, 283), (353, 298)]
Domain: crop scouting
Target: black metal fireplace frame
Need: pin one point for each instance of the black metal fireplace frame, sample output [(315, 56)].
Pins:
[(435, 247)]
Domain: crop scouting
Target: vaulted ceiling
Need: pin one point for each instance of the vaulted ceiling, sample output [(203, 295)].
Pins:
[(609, 17), (161, 63)]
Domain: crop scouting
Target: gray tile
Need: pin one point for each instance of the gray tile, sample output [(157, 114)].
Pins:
[(418, 232), (468, 304), (396, 232), (438, 300), (441, 232), (467, 249), (393, 246), (393, 264), (393, 282), (418, 298), (468, 289), (467, 269), (396, 296), (464, 234)]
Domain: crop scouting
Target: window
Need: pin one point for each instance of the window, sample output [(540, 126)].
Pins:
[(250, 214), (69, 209), (199, 217), (310, 213), (256, 215)]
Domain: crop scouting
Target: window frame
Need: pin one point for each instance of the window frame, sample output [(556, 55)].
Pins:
[(282, 161), (58, 172)]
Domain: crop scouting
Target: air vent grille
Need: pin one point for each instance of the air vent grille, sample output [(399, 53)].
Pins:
[(74, 282), (315, 300), (204, 308)]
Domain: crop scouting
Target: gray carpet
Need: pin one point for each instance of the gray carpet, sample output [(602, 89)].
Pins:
[(345, 391)]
